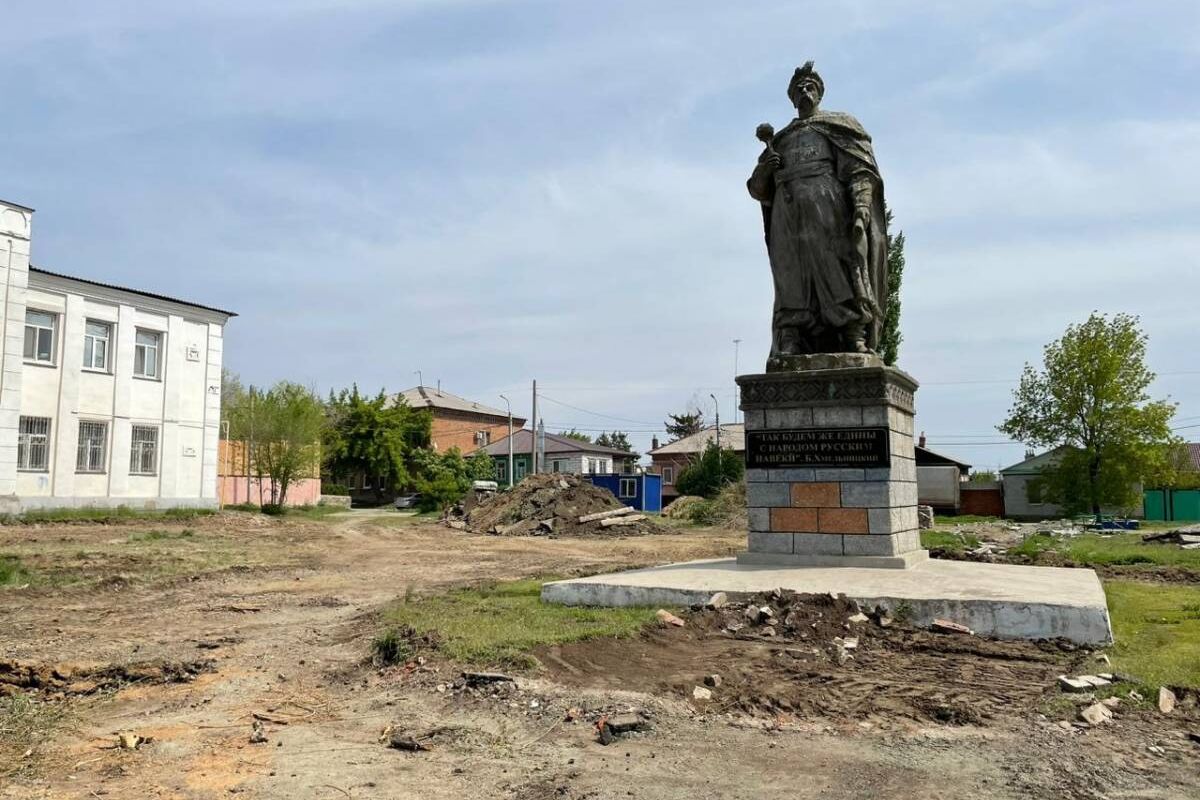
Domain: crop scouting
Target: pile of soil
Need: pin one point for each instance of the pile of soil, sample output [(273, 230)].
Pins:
[(820, 657), (550, 505), (17, 676), (681, 507)]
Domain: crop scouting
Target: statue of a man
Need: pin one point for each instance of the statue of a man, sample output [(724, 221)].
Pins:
[(822, 201)]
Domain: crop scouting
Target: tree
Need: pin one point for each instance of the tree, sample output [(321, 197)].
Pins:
[(713, 469), (983, 476), (1090, 399), (378, 437), (618, 440), (576, 435), (288, 421), (685, 424), (444, 478), (890, 337)]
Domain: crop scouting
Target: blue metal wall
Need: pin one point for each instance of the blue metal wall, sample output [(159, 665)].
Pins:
[(647, 490)]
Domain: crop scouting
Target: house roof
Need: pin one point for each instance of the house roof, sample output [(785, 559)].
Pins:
[(1035, 464), (927, 458), (523, 443), (1194, 454), (429, 397), (141, 292), (733, 436)]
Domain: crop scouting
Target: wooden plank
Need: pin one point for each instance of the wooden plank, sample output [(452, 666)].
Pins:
[(616, 512), (628, 519)]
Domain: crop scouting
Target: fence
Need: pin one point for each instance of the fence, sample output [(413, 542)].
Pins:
[(236, 485), (1172, 505)]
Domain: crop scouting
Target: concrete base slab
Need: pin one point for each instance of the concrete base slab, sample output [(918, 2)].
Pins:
[(902, 561), (1002, 600)]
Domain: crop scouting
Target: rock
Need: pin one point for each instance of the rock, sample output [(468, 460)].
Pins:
[(625, 723), (718, 600), (765, 613), (751, 613), (1111, 702), (130, 741), (713, 680), (858, 618), (947, 626), (457, 524), (1094, 680), (258, 734), (1073, 684), (924, 517), (482, 678), (546, 525), (1096, 714), (769, 630), (667, 618), (849, 643), (701, 694), (398, 740), (1166, 700), (1194, 737), (1135, 696), (1108, 676)]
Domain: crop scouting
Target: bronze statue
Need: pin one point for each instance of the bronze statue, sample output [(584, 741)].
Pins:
[(822, 203)]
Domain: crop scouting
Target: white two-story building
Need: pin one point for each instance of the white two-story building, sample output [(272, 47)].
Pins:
[(108, 396)]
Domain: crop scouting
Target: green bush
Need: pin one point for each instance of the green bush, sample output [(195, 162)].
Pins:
[(714, 469), (273, 509), (335, 489)]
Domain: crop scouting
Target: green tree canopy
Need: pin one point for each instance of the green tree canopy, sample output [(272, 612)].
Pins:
[(713, 469), (376, 436), (285, 423), (576, 435), (890, 338), (1091, 398), (685, 424), (444, 478), (617, 440)]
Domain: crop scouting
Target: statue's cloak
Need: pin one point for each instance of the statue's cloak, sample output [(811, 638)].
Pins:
[(853, 145)]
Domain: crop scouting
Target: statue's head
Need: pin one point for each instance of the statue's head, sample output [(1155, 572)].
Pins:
[(806, 89)]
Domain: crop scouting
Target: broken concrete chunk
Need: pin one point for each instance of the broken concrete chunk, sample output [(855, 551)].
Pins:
[(667, 618), (948, 626), (1096, 714), (1094, 680), (1166, 700), (701, 694), (258, 734), (859, 617), (1073, 684), (718, 600)]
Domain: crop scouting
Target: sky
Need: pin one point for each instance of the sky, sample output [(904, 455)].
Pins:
[(493, 192)]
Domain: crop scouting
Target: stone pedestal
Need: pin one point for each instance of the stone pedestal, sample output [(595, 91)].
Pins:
[(831, 477)]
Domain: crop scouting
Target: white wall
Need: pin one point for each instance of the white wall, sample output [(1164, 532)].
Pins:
[(184, 402)]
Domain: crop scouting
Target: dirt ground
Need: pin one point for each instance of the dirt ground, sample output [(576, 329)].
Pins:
[(235, 616)]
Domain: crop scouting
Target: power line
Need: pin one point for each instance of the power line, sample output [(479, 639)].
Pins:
[(595, 413)]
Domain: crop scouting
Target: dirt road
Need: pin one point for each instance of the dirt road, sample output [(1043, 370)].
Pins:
[(285, 611)]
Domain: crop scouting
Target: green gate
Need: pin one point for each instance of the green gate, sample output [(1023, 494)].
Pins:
[(1171, 505)]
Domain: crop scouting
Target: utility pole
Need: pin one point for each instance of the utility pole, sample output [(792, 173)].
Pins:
[(533, 430), (736, 345), (717, 411), (510, 441)]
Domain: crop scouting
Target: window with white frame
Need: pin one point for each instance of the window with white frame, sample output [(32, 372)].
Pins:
[(628, 487), (483, 438), (97, 339), (143, 450), (39, 335), (668, 475), (93, 443), (147, 352), (33, 444)]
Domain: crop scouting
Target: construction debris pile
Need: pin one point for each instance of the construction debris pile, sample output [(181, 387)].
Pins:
[(556, 504), (822, 619)]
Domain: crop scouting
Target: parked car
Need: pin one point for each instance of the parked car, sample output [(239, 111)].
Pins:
[(407, 500)]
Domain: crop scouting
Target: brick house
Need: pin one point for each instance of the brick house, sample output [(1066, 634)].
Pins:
[(458, 422), (670, 459)]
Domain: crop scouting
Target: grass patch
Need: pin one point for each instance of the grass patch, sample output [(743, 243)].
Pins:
[(13, 572), (1157, 631), (26, 724), (951, 541), (160, 535), (105, 516), (499, 624), (303, 512), (1093, 549)]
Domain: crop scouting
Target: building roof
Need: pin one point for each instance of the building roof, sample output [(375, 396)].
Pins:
[(141, 292), (733, 436), (523, 443), (931, 458), (429, 397), (1194, 454), (1035, 464)]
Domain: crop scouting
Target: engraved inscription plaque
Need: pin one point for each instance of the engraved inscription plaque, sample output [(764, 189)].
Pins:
[(817, 447)]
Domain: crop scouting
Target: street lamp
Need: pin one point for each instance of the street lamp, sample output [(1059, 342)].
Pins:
[(508, 405)]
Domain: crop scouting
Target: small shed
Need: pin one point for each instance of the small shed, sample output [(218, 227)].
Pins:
[(643, 492)]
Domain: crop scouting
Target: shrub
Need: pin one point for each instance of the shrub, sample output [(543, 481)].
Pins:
[(714, 469), (273, 509), (335, 489)]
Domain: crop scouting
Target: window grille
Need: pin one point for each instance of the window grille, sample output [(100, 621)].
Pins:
[(33, 444), (93, 440), (143, 451)]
